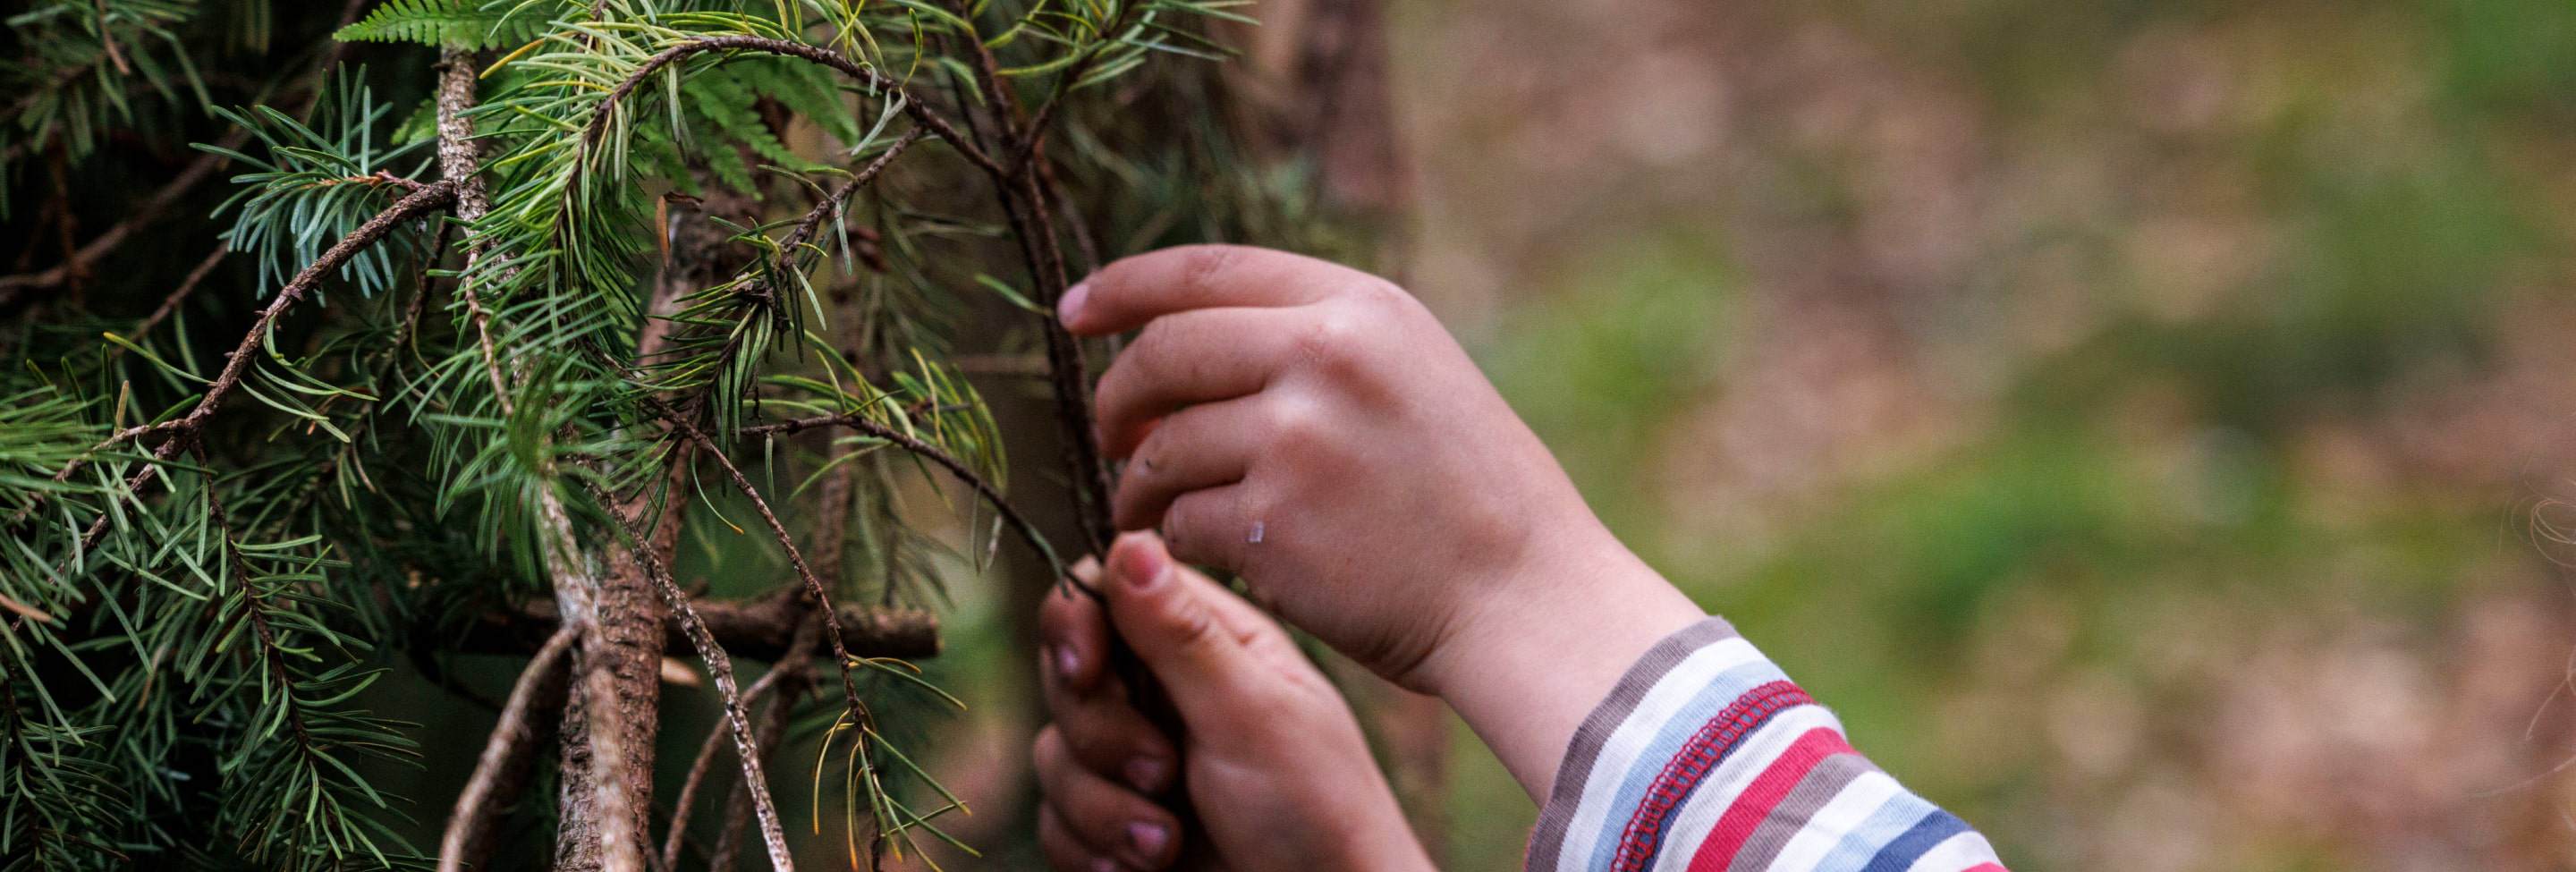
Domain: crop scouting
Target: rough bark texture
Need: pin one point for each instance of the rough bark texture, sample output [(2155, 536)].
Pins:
[(615, 708), (616, 705)]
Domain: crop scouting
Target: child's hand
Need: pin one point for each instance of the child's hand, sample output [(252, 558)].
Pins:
[(1273, 762), (1315, 429)]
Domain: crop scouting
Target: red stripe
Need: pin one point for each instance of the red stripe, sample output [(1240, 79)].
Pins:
[(1700, 753), (1986, 867), (1759, 798)]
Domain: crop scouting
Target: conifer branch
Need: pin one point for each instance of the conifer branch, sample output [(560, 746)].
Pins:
[(1025, 205), (180, 434), (921, 112), (761, 629)]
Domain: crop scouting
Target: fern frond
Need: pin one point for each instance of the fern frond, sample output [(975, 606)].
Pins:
[(465, 24)]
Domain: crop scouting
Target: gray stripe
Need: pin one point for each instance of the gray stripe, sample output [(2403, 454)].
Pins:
[(1821, 785), (1566, 795)]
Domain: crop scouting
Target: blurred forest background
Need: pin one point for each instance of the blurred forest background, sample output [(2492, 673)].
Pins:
[(2139, 420)]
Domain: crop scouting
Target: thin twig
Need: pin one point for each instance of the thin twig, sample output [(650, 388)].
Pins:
[(813, 585), (1025, 204), (773, 730), (687, 799), (507, 753), (88, 254), (982, 486), (187, 287)]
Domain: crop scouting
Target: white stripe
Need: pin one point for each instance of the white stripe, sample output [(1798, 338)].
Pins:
[(1677, 688), (1719, 789), (1826, 829), (1955, 853)]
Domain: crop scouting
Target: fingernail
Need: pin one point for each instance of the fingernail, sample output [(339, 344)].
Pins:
[(1141, 566), (1150, 571), (1149, 839), (1146, 774), (1067, 663), (1070, 305)]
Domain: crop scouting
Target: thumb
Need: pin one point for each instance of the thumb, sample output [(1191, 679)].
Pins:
[(1195, 635)]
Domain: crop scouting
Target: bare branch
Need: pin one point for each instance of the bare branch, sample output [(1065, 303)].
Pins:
[(187, 287), (146, 212), (460, 159), (503, 770), (788, 671), (773, 730)]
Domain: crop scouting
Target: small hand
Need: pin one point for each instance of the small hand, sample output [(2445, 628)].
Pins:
[(1271, 759), (1314, 429)]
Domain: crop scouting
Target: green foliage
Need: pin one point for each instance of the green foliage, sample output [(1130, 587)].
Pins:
[(309, 188), (211, 556), (88, 67), (467, 24)]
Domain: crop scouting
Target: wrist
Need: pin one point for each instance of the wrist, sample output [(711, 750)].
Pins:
[(1529, 659)]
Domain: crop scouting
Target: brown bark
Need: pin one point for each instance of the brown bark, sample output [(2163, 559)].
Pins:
[(617, 699)]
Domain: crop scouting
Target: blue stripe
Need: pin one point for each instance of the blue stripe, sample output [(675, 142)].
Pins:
[(1893, 817), (1729, 686), (1934, 829)]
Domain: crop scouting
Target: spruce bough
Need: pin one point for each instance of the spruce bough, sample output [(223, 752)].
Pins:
[(452, 354)]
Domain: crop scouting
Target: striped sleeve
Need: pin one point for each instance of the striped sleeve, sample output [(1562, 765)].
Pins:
[(1705, 758)]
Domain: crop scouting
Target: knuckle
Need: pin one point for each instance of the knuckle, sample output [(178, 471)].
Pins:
[(1150, 337), (1203, 267), (1296, 425)]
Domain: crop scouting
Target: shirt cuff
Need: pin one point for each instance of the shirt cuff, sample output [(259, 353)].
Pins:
[(1706, 756)]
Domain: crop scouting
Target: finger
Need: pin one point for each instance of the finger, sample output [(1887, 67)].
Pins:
[(1073, 634), (1200, 639), (1199, 356), (1196, 448), (1107, 735), (1126, 294), (1215, 527), (1065, 853), (1109, 818)]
